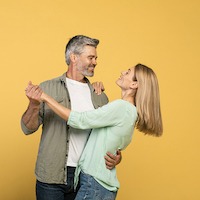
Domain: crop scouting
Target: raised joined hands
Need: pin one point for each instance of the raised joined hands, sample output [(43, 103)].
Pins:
[(33, 92)]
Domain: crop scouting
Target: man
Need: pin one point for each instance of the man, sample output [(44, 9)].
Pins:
[(61, 146)]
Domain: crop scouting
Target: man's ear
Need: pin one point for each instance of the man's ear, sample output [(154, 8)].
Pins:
[(73, 57), (134, 85)]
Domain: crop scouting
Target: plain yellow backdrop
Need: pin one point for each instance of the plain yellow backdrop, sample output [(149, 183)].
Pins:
[(161, 34)]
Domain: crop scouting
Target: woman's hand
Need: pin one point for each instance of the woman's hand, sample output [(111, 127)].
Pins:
[(98, 87)]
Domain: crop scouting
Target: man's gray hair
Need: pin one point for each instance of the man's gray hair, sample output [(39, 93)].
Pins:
[(76, 45)]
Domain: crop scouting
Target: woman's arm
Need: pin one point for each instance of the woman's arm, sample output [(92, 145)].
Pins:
[(60, 110)]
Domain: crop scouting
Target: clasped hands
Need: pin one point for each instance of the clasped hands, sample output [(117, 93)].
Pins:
[(34, 93)]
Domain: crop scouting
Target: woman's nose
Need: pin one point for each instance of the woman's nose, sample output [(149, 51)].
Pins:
[(123, 72)]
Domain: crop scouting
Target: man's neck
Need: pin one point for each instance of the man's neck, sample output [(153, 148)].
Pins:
[(74, 76)]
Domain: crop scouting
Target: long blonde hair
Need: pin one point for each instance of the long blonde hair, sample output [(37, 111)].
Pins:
[(147, 101)]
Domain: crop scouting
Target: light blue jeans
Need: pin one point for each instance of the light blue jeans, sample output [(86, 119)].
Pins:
[(90, 189)]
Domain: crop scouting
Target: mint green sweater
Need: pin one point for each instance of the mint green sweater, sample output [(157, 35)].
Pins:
[(112, 128)]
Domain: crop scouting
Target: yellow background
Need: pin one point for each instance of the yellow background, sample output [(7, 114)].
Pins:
[(164, 35)]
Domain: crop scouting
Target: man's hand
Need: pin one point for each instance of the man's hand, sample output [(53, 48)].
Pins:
[(30, 117), (33, 92), (98, 87), (113, 160)]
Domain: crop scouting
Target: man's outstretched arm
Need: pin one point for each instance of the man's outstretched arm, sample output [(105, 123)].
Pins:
[(30, 117)]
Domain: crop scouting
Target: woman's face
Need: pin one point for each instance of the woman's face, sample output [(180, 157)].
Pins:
[(126, 79)]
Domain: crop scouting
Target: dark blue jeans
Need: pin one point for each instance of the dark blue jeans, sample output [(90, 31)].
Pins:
[(90, 189), (45, 191)]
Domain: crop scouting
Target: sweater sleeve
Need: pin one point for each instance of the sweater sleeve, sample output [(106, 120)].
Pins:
[(108, 115)]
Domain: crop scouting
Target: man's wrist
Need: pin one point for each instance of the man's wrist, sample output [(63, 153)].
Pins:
[(34, 106)]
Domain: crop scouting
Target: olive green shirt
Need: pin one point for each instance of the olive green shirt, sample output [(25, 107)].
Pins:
[(54, 143)]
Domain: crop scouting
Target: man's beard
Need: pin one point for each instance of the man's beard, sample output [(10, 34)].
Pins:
[(85, 71)]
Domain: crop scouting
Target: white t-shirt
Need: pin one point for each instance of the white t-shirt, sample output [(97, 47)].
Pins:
[(80, 96)]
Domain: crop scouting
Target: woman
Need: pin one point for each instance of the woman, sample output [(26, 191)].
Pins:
[(112, 128)]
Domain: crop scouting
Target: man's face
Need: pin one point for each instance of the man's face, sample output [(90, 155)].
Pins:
[(87, 61)]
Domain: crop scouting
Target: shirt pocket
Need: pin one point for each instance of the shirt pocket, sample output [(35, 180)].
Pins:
[(59, 99)]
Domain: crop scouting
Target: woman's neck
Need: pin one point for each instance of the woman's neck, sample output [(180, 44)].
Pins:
[(128, 97)]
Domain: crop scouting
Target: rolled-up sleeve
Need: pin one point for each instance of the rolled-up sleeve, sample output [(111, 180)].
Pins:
[(25, 129)]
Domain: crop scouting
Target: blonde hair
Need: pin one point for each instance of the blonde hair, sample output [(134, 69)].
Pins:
[(147, 101)]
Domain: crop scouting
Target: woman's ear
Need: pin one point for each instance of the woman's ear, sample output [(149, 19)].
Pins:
[(134, 85)]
